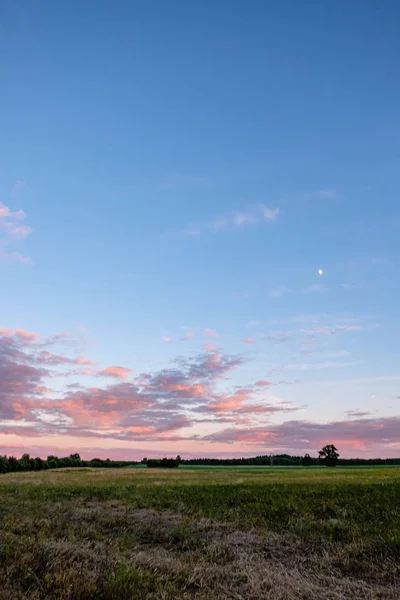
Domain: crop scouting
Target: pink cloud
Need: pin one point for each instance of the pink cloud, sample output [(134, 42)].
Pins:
[(189, 333), (209, 347), (117, 372), (19, 333), (26, 335), (13, 257), (306, 436), (223, 403), (162, 406), (49, 358), (6, 213), (211, 333), (247, 340), (17, 231)]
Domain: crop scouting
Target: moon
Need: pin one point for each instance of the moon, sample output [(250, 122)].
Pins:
[(320, 271)]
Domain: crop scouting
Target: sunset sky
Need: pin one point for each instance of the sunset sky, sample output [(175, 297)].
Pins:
[(173, 176)]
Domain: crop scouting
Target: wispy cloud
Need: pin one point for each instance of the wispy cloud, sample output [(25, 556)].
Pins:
[(253, 323), (247, 340), (278, 336), (12, 257), (315, 288), (283, 290), (237, 219), (211, 333), (50, 359), (318, 365), (356, 286), (18, 187), (11, 230), (379, 260), (269, 214), (358, 413), (16, 231), (323, 194), (190, 332), (280, 290)]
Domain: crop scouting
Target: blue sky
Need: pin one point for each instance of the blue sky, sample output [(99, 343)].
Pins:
[(168, 169)]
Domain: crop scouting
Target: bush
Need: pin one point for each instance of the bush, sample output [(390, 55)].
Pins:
[(165, 463)]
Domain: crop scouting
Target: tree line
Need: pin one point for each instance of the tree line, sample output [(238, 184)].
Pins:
[(288, 460), (10, 464), (328, 456)]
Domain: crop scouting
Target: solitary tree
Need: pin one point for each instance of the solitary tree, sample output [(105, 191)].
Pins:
[(329, 454)]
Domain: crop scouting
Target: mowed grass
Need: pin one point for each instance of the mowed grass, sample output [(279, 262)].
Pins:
[(281, 533)]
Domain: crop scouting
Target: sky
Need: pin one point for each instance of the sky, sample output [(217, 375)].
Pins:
[(199, 227)]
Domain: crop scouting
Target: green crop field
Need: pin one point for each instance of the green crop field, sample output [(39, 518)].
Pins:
[(206, 533)]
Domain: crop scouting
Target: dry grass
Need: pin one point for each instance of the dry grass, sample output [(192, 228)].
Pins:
[(199, 476), (57, 540)]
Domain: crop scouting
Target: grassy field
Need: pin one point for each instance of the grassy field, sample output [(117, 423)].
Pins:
[(206, 533)]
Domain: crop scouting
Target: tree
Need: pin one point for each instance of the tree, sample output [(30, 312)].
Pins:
[(329, 454), (178, 459), (307, 460), (52, 461), (13, 463), (75, 456), (4, 464)]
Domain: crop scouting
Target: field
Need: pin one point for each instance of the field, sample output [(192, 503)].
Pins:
[(201, 533)]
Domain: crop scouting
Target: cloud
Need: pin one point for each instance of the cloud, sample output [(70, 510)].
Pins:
[(315, 288), (278, 336), (247, 340), (330, 330), (321, 365), (18, 187), (283, 290), (167, 339), (308, 436), (356, 286), (12, 257), (190, 332), (358, 413), (7, 213), (12, 230), (19, 333), (117, 372), (49, 358), (242, 218), (210, 347), (324, 194), (20, 380), (269, 214), (252, 323), (378, 260), (237, 219), (16, 231), (211, 333), (166, 405)]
